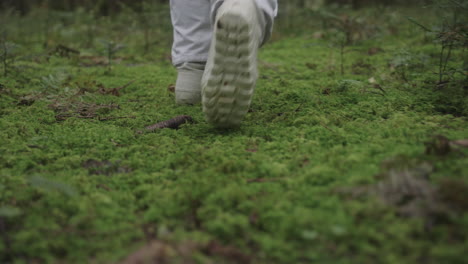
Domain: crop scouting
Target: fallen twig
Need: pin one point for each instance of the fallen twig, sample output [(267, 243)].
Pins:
[(460, 143), (326, 127), (114, 91), (173, 123), (102, 186), (378, 87), (65, 51)]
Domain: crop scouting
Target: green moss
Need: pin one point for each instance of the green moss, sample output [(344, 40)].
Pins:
[(266, 189)]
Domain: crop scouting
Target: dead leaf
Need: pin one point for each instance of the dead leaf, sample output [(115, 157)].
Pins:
[(326, 91), (362, 67), (269, 65), (93, 61), (439, 145), (454, 193), (104, 167), (253, 218), (214, 248), (171, 88), (103, 186), (153, 253), (311, 66), (318, 35), (26, 101), (374, 50)]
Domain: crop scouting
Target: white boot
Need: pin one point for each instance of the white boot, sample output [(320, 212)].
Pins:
[(230, 75), (188, 89)]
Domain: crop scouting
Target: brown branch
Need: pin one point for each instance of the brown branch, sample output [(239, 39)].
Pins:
[(173, 123), (378, 87), (65, 51), (326, 127), (461, 143), (114, 91)]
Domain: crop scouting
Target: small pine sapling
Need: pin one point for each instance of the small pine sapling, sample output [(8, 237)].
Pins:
[(8, 54), (339, 41), (111, 49), (450, 33), (343, 31)]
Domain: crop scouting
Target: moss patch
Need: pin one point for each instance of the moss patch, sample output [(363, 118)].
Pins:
[(78, 183)]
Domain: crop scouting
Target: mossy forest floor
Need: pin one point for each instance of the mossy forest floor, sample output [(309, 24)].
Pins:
[(368, 165)]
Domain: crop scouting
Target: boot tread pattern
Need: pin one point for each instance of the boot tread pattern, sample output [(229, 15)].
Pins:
[(229, 85)]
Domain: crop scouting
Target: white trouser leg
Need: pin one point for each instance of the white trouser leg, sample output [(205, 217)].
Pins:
[(192, 30), (270, 10), (192, 21)]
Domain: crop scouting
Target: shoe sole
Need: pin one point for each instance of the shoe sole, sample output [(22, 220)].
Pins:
[(229, 84)]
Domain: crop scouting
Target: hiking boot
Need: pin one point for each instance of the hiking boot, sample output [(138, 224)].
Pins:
[(187, 88), (230, 75)]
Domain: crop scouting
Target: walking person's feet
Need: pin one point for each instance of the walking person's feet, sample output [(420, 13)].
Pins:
[(187, 88), (230, 75)]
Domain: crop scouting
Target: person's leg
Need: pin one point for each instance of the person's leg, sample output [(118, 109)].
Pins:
[(192, 36), (269, 9), (239, 28)]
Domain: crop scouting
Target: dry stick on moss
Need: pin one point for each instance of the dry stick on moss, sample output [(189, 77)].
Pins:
[(412, 20), (115, 91), (326, 127), (65, 51), (460, 143), (173, 123), (378, 87)]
